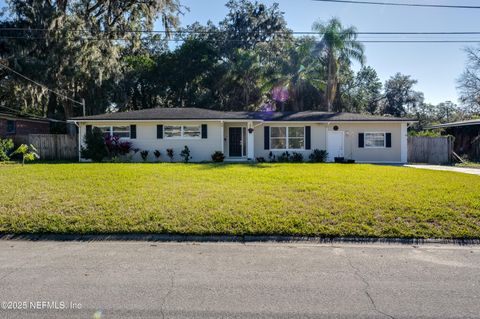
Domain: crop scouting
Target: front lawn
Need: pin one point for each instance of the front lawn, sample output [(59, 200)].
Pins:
[(288, 199)]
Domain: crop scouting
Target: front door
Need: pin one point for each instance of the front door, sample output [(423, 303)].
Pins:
[(235, 142), (335, 145)]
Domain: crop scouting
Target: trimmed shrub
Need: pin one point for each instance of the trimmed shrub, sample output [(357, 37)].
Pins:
[(296, 157), (95, 149), (218, 157), (271, 157), (318, 156), (157, 154), (170, 154), (185, 154), (144, 155), (284, 158)]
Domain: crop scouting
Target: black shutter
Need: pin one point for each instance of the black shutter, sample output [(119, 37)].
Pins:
[(388, 140), (89, 129), (159, 132), (308, 137), (361, 140), (266, 137), (204, 131), (133, 132)]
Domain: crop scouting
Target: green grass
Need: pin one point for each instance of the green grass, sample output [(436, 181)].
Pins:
[(286, 199), (468, 165)]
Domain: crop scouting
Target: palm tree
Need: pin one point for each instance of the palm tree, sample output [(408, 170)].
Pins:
[(338, 47), (296, 72)]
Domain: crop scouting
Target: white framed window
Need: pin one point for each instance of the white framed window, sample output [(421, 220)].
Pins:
[(287, 138), (119, 131), (172, 131), (182, 131), (375, 140)]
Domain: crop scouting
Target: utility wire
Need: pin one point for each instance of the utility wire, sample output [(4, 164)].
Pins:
[(239, 41), (278, 32), (403, 4), (35, 117), (39, 84)]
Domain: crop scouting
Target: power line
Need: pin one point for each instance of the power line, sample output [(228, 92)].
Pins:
[(39, 84), (278, 32), (34, 117), (403, 4), (239, 41)]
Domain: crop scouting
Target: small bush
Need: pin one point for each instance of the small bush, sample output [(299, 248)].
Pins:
[(218, 157), (117, 147), (28, 152), (170, 154), (95, 149), (425, 133), (271, 157), (157, 154), (6, 145), (261, 160), (185, 154), (318, 156), (284, 158), (296, 157), (144, 155)]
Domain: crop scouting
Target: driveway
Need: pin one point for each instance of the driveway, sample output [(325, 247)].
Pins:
[(234, 280), (474, 171)]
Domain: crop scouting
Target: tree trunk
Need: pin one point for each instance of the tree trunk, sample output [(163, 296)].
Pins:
[(331, 80)]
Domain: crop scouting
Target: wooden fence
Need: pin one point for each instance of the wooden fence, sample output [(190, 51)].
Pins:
[(431, 150), (52, 146)]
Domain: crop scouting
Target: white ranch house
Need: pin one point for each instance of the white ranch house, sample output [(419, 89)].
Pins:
[(245, 136)]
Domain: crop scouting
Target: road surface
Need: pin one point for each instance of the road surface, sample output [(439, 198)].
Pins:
[(233, 280)]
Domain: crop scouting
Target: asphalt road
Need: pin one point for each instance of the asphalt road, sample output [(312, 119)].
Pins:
[(221, 280)]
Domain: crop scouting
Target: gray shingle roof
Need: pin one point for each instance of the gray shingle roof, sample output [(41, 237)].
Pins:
[(206, 114), (456, 124)]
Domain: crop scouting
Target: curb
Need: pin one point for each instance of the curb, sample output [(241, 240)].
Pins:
[(235, 239)]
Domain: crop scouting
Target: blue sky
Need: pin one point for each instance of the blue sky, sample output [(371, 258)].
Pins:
[(435, 66)]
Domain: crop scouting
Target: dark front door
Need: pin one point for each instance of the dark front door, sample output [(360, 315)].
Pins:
[(235, 141)]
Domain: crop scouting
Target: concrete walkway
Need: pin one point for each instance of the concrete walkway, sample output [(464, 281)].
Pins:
[(465, 170)]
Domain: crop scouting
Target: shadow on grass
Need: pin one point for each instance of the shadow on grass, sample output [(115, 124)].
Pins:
[(206, 166), (234, 239)]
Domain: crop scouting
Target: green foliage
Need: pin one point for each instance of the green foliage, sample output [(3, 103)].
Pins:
[(157, 154), (360, 92), (238, 64), (70, 62), (400, 98), (185, 154), (296, 157), (339, 47), (469, 82), (429, 133), (170, 154), (284, 157), (6, 145), (218, 157), (318, 156), (28, 153), (95, 148), (144, 155)]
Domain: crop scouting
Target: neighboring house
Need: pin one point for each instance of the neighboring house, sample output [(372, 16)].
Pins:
[(467, 137), (11, 126), (250, 135)]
